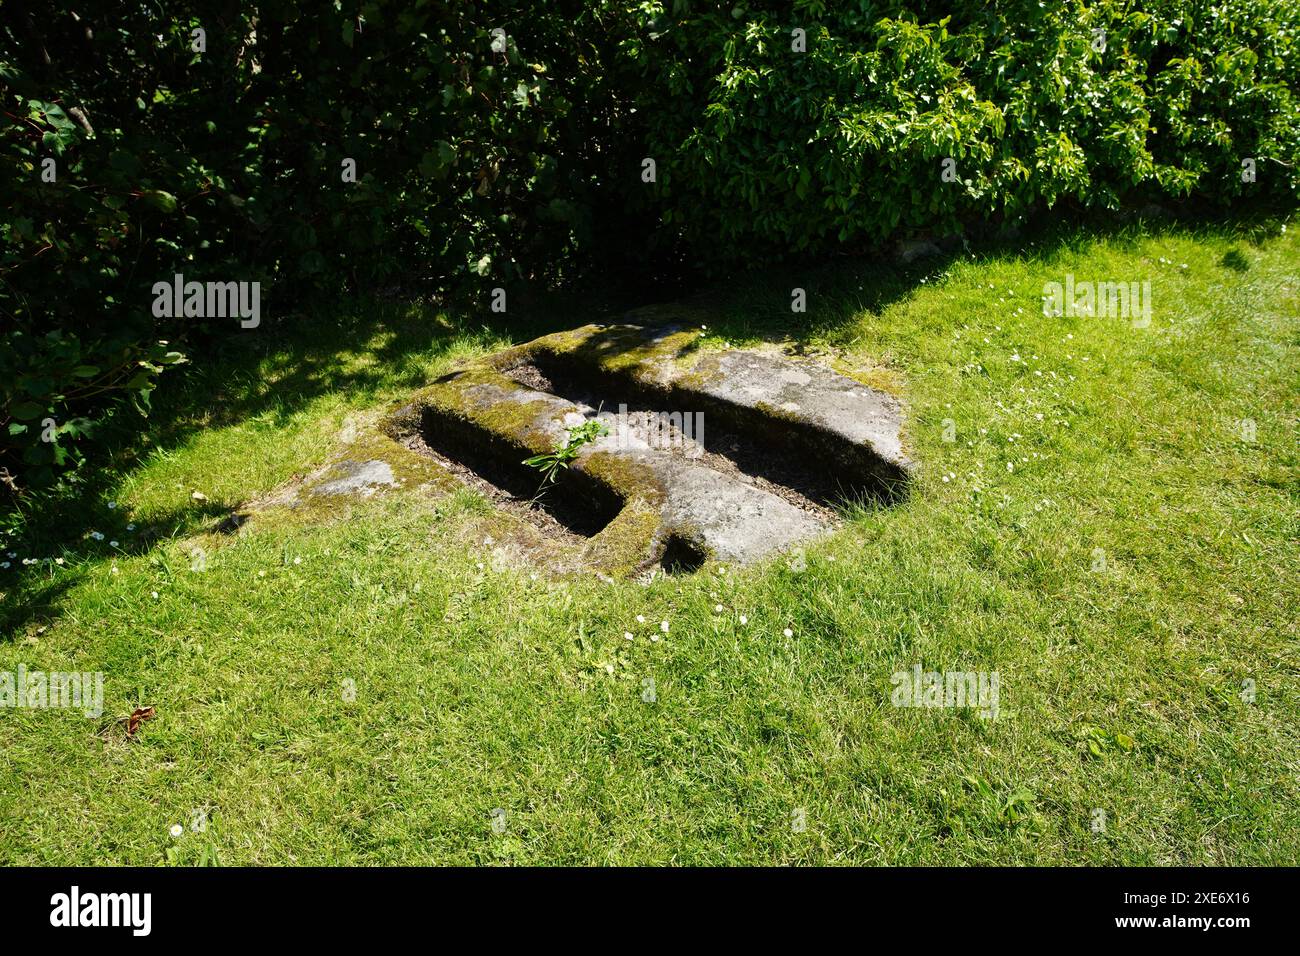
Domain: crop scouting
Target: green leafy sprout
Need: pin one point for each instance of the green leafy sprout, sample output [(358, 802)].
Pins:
[(550, 463)]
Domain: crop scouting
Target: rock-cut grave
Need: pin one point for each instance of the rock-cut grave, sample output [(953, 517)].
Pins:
[(707, 454)]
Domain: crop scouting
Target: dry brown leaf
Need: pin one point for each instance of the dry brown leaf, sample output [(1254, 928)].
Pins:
[(138, 716)]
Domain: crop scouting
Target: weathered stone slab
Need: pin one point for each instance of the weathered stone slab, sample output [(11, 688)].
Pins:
[(863, 417), (356, 477), (801, 417), (856, 424)]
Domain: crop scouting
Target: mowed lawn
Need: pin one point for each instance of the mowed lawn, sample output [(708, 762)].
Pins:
[(1112, 529)]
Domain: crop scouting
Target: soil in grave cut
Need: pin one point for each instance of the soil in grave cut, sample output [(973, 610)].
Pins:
[(495, 469)]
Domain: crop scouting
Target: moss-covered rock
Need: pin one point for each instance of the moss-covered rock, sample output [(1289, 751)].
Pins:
[(634, 498)]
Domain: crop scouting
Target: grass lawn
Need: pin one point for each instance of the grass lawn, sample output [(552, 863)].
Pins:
[(1101, 533)]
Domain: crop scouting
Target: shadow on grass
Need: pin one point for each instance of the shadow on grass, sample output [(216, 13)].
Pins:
[(41, 593), (271, 373), (839, 291), (40, 601), (268, 375)]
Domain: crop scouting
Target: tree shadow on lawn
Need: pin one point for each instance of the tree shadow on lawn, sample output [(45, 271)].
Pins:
[(42, 592), (40, 601), (758, 305), (366, 346), (381, 346)]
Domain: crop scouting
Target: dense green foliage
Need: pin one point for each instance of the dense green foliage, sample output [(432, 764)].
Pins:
[(493, 159), (768, 149), (228, 164)]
